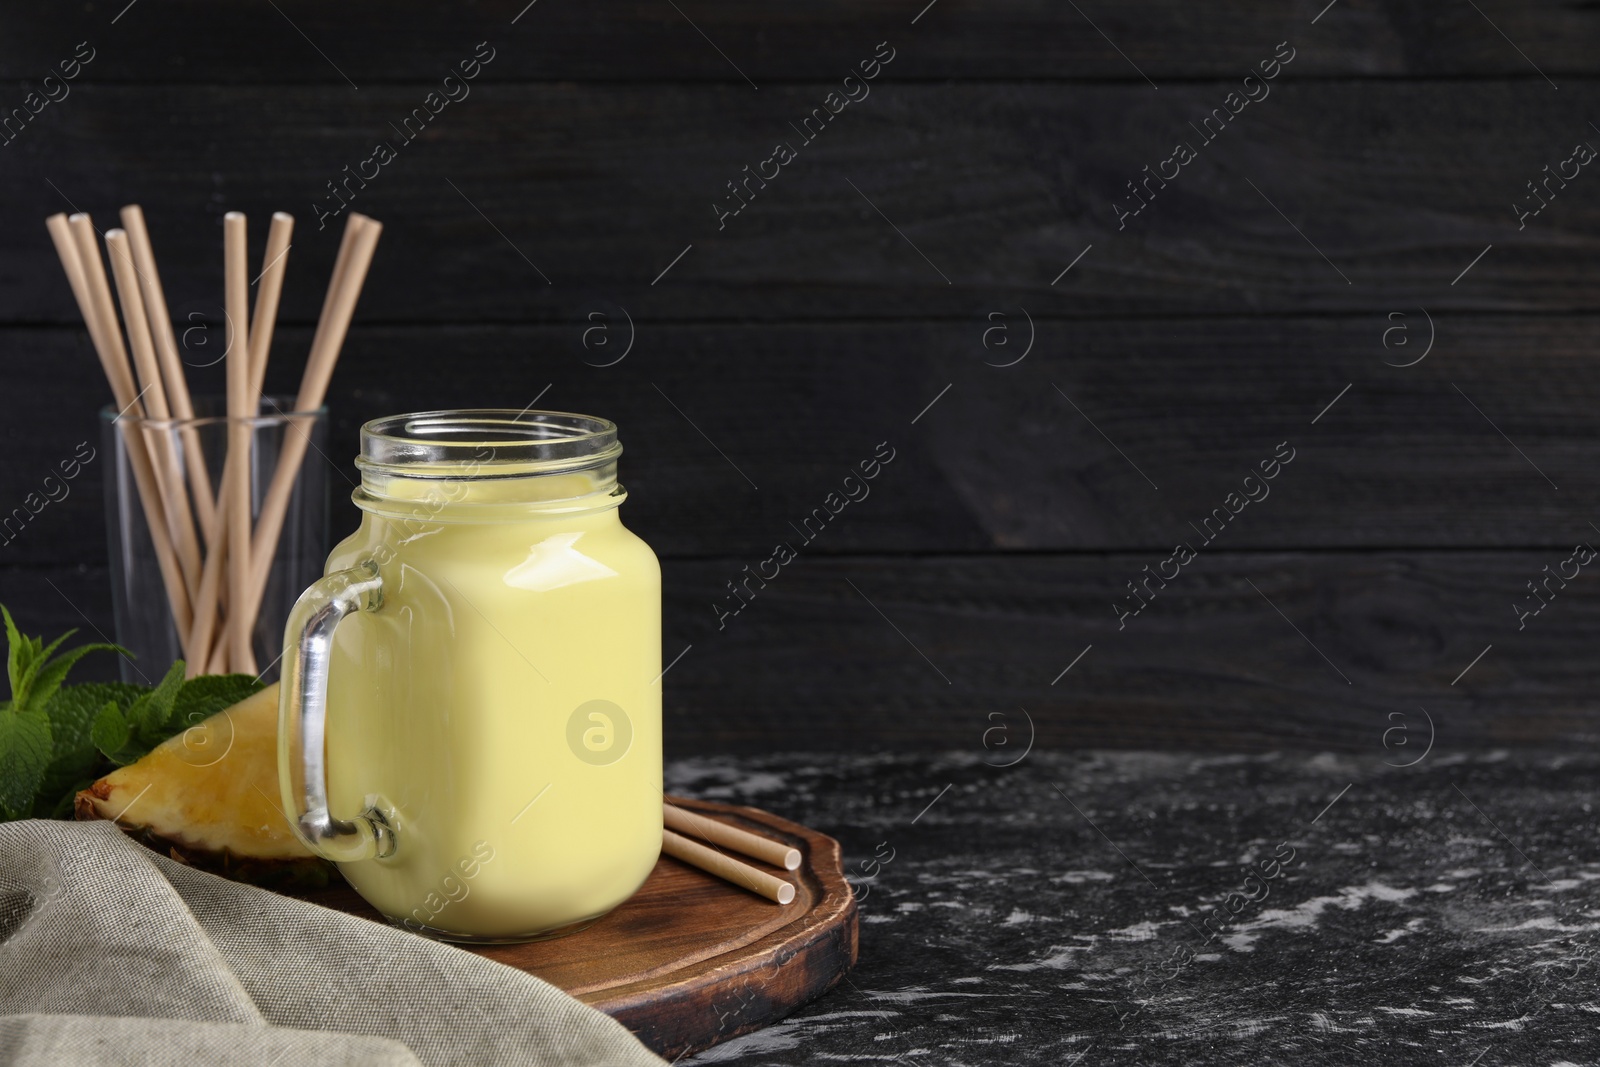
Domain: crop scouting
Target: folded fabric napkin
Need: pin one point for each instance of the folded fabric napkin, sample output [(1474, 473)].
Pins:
[(112, 954)]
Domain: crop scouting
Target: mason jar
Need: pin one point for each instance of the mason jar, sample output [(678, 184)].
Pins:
[(470, 718)]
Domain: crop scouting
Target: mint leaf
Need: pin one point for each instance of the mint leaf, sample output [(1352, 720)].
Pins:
[(53, 736), (18, 652), (73, 711), (136, 713), (152, 715), (110, 732), (34, 674), (74, 757), (24, 755), (22, 689), (32, 756), (202, 697), (126, 730), (49, 676)]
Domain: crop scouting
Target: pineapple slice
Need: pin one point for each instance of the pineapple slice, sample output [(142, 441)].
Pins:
[(209, 798)]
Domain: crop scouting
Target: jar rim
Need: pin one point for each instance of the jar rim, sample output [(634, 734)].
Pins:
[(486, 443)]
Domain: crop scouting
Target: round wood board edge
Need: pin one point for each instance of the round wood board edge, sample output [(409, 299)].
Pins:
[(755, 984)]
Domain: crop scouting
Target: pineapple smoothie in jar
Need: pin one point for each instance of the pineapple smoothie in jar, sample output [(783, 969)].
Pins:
[(471, 708)]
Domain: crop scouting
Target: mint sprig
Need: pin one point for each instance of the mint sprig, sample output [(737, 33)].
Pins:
[(36, 674), (124, 732), (56, 738), (34, 670), (75, 761)]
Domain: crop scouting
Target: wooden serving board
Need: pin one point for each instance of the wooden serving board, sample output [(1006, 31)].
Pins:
[(689, 960)]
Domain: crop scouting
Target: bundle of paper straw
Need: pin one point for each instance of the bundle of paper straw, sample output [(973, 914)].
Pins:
[(678, 822), (215, 555)]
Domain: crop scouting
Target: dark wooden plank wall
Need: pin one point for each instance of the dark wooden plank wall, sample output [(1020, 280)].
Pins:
[(1180, 350)]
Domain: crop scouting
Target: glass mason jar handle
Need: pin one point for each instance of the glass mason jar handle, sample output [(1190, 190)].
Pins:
[(303, 719)]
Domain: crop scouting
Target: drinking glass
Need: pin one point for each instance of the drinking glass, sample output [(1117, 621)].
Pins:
[(162, 471)]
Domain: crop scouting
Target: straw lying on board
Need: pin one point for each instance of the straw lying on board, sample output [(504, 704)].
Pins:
[(714, 861), (214, 555), (727, 868), (764, 849)]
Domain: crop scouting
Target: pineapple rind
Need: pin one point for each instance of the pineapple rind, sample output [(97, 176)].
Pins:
[(209, 798)]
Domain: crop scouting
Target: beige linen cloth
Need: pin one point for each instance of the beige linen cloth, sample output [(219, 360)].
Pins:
[(111, 954)]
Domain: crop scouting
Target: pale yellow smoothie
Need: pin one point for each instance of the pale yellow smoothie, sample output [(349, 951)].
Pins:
[(502, 707)]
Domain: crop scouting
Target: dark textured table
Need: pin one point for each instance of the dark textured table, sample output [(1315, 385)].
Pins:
[(1157, 908)]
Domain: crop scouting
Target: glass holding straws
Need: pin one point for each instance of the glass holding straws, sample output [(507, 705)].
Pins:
[(218, 494), (145, 624)]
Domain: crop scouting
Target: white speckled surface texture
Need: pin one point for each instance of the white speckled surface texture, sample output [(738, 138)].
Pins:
[(1143, 908)]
